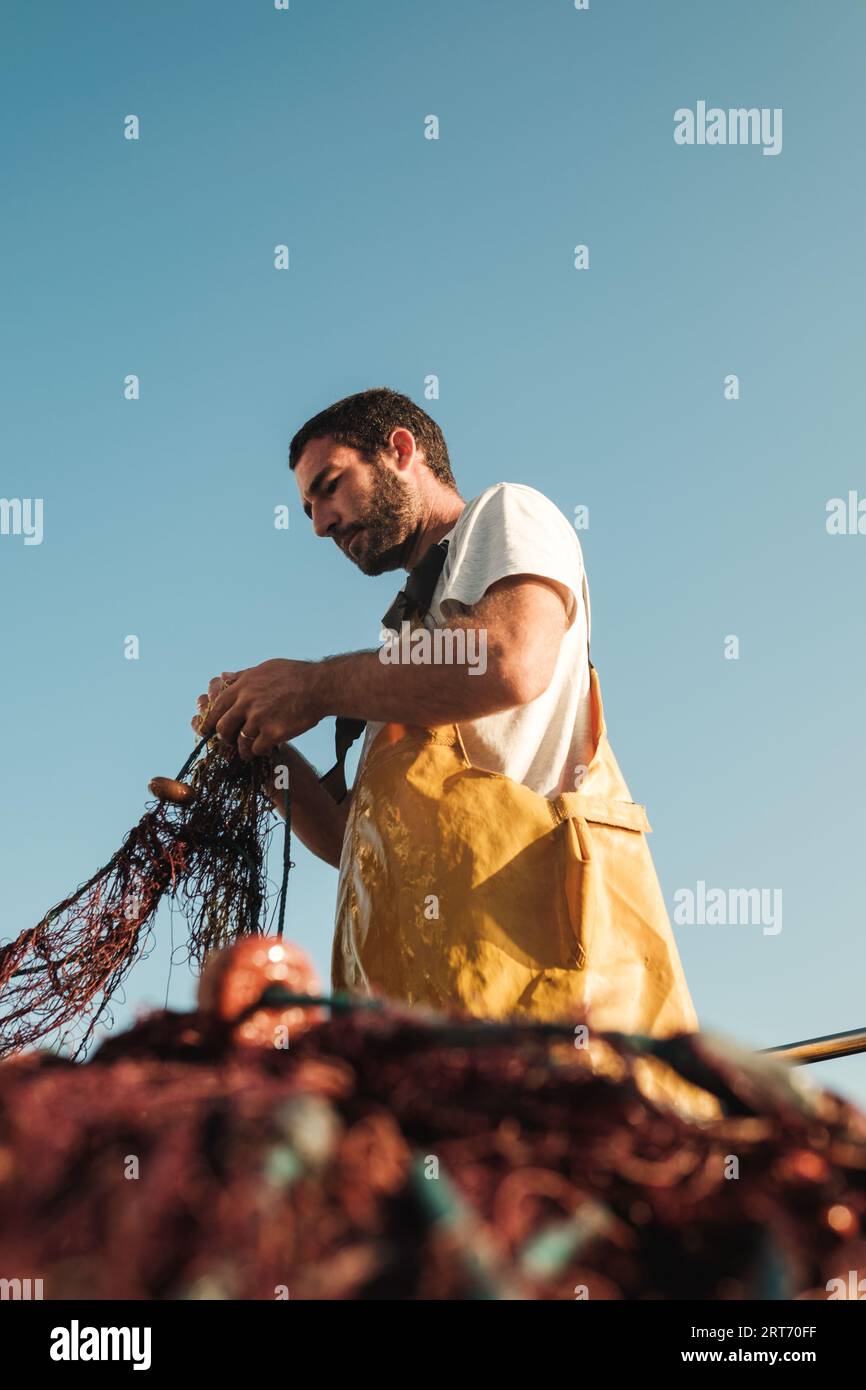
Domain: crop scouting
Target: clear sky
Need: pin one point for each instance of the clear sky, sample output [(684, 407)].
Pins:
[(411, 257)]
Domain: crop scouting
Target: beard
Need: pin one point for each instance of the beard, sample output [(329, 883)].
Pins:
[(390, 524)]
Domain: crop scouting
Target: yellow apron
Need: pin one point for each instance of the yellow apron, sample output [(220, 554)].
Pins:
[(461, 888)]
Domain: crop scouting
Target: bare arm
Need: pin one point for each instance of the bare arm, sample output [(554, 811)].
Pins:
[(317, 819), (523, 621)]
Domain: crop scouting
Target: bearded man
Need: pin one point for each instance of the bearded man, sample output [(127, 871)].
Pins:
[(490, 856)]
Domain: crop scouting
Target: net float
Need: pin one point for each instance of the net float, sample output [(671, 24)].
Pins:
[(234, 979), (168, 789)]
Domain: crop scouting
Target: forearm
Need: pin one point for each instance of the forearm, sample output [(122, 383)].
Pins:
[(361, 686), (317, 819)]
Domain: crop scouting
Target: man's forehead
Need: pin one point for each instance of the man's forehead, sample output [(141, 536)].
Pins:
[(310, 473), (317, 454)]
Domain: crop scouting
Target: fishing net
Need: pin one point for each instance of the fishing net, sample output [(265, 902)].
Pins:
[(204, 850), (389, 1153)]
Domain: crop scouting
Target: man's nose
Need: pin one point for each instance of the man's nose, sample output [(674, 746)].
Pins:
[(325, 518)]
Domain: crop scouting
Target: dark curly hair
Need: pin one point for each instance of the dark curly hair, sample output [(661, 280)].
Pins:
[(365, 422)]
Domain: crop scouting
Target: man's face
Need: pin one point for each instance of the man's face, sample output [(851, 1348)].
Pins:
[(371, 510)]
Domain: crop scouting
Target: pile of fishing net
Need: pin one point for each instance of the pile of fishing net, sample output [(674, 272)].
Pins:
[(274, 1145)]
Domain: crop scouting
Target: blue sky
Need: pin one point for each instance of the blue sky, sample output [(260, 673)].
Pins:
[(452, 257)]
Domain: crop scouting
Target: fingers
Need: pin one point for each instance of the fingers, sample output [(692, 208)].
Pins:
[(227, 719), (221, 695), (218, 713), (201, 705), (246, 739), (262, 743), (219, 683)]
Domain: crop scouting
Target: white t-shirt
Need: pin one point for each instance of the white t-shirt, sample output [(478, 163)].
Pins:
[(513, 529)]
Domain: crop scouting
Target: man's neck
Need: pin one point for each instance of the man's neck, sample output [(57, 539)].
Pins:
[(440, 521)]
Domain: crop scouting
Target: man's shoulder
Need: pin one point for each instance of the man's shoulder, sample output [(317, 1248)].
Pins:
[(509, 500), (510, 529)]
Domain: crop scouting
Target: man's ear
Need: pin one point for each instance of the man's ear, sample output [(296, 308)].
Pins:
[(402, 441)]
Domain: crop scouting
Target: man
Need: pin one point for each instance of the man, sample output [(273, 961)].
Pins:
[(490, 855)]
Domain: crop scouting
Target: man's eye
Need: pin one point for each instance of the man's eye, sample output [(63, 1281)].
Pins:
[(331, 486)]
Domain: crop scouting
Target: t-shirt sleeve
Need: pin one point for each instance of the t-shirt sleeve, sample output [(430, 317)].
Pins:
[(512, 529)]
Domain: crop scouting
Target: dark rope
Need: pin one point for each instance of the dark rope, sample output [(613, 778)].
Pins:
[(192, 757), (287, 859)]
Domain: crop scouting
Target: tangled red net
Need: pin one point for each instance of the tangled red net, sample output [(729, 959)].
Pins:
[(205, 852), (270, 1145)]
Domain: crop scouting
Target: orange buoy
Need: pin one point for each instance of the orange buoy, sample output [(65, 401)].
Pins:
[(237, 976), (168, 789)]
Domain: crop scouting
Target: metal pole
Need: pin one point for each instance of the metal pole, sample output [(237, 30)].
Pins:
[(820, 1049)]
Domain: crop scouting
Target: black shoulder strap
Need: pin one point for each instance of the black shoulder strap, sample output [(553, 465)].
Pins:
[(414, 599)]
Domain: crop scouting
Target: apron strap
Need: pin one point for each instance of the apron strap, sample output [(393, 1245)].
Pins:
[(345, 734), (413, 599), (585, 589), (600, 810)]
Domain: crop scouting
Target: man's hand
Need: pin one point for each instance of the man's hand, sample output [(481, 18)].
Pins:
[(204, 703), (260, 706)]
